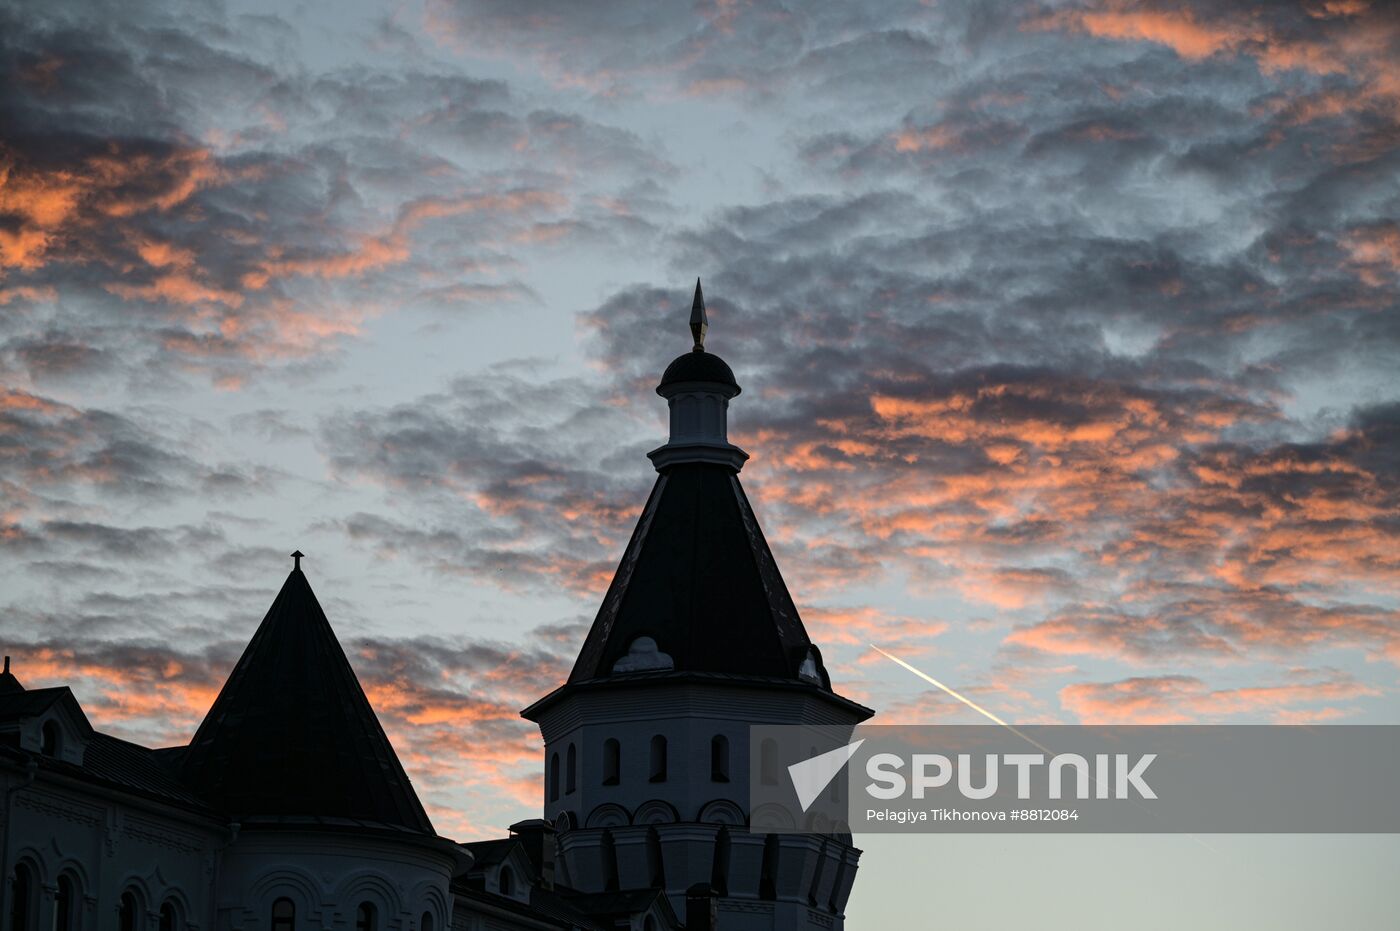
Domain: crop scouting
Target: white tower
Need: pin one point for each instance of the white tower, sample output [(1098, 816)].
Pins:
[(647, 743)]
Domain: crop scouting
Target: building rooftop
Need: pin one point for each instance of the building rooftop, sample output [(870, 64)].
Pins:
[(697, 578), (292, 733)]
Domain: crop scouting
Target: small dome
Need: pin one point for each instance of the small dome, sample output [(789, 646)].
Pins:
[(698, 366)]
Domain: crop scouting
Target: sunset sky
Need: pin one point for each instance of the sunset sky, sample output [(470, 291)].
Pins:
[(1068, 336)]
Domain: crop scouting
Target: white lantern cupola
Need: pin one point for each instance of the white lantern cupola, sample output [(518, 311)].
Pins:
[(698, 386)]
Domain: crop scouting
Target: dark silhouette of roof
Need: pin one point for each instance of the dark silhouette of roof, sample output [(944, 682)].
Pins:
[(698, 578), (490, 852), (292, 733), (133, 767), (106, 760), (9, 685), (699, 365), (21, 703), (117, 764)]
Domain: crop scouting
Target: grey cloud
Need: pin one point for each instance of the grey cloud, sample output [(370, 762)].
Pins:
[(229, 214), (509, 476), (677, 47), (50, 443)]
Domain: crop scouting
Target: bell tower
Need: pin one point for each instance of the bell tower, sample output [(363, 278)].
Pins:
[(647, 743)]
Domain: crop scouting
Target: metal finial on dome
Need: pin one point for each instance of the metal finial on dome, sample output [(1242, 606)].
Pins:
[(699, 323), (296, 560)]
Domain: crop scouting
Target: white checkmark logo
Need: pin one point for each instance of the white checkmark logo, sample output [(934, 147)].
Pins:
[(810, 777)]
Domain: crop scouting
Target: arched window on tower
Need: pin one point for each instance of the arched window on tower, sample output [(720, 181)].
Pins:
[(366, 917), (65, 903), (719, 869), (571, 770), (768, 762), (284, 915), (426, 922), (554, 777), (169, 917), (768, 869), (658, 759), (50, 739), (656, 864), (610, 872), (719, 758), (22, 893), (612, 762), (127, 911)]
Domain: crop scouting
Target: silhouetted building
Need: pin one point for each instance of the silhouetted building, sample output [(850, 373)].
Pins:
[(289, 810)]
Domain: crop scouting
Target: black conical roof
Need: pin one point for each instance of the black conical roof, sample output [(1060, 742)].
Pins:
[(292, 733), (699, 579)]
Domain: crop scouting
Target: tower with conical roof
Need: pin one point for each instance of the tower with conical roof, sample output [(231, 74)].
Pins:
[(326, 824), (292, 734), (697, 639)]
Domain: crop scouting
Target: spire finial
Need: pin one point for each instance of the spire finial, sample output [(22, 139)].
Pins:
[(7, 665), (296, 560), (699, 323)]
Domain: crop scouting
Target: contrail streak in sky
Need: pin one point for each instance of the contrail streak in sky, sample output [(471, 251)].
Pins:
[(960, 697)]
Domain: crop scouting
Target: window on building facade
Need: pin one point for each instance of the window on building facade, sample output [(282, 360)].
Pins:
[(169, 918), (50, 739), (426, 922), (719, 869), (506, 881), (127, 911), (768, 762), (612, 762), (65, 902), (658, 759), (609, 852), (554, 777), (22, 892), (719, 758), (284, 915), (656, 864), (768, 869), (365, 917)]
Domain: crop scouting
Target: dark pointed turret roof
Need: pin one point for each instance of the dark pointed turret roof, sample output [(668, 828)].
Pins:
[(293, 735), (698, 578)]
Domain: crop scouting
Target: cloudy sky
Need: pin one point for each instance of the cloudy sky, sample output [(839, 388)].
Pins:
[(1068, 333)]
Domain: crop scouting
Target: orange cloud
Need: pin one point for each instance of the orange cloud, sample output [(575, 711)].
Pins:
[(1374, 252), (393, 247), (1187, 700), (931, 137), (177, 288), (1348, 37), (1178, 29), (113, 184), (861, 626)]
